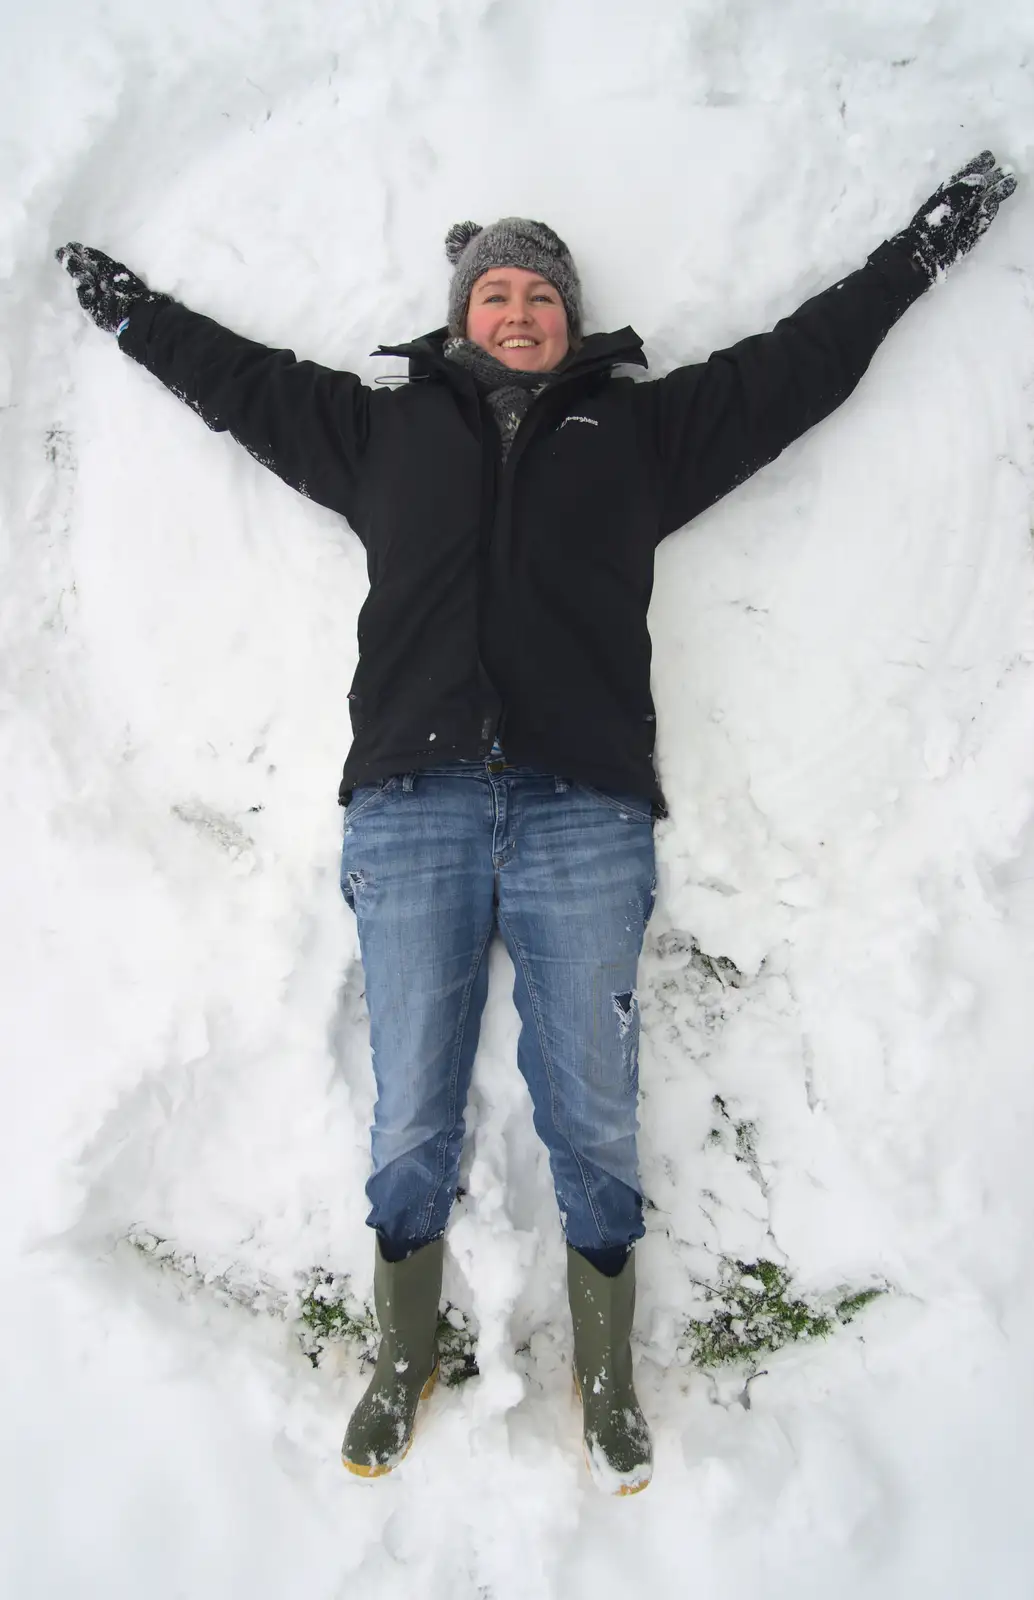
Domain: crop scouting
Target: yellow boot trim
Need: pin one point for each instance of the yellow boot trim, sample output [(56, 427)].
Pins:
[(363, 1471), (626, 1488)]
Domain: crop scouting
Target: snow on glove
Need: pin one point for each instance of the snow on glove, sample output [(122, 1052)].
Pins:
[(107, 290), (956, 214)]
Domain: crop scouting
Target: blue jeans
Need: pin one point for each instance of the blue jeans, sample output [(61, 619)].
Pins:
[(433, 863)]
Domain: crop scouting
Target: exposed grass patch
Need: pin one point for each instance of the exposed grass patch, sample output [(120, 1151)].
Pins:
[(848, 1308), (331, 1314), (756, 1313), (457, 1350), (324, 1313)]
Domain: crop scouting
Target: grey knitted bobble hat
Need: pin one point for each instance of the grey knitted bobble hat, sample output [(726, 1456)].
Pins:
[(510, 242)]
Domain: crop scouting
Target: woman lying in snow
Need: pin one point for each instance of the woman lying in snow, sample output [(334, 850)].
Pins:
[(510, 499)]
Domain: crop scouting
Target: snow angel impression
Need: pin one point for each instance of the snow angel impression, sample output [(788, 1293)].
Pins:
[(500, 778)]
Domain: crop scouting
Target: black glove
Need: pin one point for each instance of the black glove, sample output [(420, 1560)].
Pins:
[(107, 290), (956, 214)]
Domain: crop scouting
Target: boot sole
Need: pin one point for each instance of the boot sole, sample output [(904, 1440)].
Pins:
[(363, 1470), (623, 1489)]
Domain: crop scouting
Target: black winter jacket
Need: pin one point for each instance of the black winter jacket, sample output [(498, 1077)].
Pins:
[(511, 600)]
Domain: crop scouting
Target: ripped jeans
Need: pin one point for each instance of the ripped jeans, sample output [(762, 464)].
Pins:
[(433, 864)]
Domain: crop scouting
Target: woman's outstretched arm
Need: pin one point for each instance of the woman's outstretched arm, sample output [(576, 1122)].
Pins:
[(718, 422), (305, 422)]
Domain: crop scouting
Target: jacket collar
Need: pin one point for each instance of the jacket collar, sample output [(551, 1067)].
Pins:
[(596, 353)]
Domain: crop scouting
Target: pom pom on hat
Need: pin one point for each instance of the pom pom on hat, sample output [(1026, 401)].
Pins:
[(458, 238)]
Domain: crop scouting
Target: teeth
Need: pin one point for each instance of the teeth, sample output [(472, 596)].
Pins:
[(518, 344)]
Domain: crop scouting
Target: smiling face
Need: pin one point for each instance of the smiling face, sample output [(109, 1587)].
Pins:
[(519, 318)]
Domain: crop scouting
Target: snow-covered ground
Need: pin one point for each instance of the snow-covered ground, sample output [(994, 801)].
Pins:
[(845, 686)]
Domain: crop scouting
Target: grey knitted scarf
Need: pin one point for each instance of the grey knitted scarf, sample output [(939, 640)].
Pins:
[(509, 392)]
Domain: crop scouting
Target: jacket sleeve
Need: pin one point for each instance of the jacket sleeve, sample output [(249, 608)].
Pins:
[(717, 422), (307, 423)]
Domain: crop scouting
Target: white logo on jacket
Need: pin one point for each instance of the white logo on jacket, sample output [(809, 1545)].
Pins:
[(590, 420)]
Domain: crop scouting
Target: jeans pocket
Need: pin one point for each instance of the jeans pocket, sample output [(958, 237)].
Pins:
[(630, 807), (366, 795)]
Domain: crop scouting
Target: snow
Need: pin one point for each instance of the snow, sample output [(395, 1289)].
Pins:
[(844, 672)]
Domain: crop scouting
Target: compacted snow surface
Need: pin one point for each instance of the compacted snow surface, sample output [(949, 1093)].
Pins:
[(844, 674)]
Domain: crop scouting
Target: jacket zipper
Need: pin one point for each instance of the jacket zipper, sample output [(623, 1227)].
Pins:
[(501, 475)]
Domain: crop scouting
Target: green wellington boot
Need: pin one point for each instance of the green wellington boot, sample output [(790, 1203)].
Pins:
[(618, 1451), (406, 1295)]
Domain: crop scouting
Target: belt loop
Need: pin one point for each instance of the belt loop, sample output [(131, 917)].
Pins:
[(562, 784), (408, 780)]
